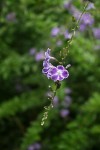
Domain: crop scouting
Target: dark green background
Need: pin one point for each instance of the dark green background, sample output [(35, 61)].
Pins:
[(21, 109)]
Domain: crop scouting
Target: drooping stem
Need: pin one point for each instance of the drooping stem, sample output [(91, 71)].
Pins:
[(73, 34), (51, 98)]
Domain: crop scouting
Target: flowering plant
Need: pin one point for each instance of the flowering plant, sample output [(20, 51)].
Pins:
[(59, 72)]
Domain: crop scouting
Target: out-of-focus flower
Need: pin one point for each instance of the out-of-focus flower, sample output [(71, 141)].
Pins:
[(96, 33), (97, 47), (18, 87), (68, 91), (87, 19), (11, 17), (72, 9), (67, 101), (67, 35), (67, 5), (32, 51), (82, 27), (35, 146), (90, 6), (64, 113), (59, 43), (58, 73), (39, 56), (55, 31), (55, 101)]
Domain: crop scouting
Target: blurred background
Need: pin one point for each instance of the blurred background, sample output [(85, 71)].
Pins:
[(27, 29)]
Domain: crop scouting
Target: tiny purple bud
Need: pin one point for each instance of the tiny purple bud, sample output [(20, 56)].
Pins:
[(55, 31)]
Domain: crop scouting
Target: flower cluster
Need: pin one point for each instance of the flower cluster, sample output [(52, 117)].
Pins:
[(35, 146), (11, 17), (57, 73), (86, 20)]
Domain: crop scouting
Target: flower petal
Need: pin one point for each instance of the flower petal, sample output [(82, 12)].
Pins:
[(65, 74), (53, 70), (60, 67), (47, 53), (45, 63), (45, 70), (48, 75), (54, 77), (60, 78)]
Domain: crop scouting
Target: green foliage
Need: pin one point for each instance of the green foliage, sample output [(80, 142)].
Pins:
[(34, 129), (76, 139), (27, 25), (20, 104)]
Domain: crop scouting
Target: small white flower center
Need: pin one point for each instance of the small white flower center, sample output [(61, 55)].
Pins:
[(59, 72)]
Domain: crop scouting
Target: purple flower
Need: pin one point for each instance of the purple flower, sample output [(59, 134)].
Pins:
[(72, 9), (55, 73), (46, 64), (35, 146), (55, 31), (68, 91), (32, 51), (64, 113), (96, 33), (47, 67), (67, 101), (67, 35), (39, 56), (87, 19), (11, 17), (55, 101), (58, 73), (67, 5), (90, 6), (82, 27), (47, 54)]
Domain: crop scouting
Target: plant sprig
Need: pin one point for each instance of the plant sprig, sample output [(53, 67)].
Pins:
[(65, 50), (58, 83)]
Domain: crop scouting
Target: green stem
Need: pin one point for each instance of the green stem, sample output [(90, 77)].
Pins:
[(48, 108), (74, 30)]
